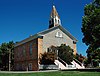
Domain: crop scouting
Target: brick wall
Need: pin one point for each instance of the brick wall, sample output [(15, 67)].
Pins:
[(22, 57)]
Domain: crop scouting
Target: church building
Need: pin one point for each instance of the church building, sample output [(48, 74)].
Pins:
[(28, 51)]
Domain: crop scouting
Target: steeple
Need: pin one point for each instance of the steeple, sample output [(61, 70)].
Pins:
[(54, 18)]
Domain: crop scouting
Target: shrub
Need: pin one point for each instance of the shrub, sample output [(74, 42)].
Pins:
[(47, 58)]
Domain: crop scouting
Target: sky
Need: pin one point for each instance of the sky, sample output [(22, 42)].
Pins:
[(21, 18)]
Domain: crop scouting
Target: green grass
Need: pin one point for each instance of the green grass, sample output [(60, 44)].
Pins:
[(57, 73)]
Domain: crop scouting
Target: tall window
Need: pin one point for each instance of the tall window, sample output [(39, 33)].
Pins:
[(30, 48), (18, 53), (24, 51)]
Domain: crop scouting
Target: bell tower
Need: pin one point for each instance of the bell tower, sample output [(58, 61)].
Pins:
[(54, 18)]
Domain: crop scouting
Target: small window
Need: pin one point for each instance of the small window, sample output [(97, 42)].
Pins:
[(49, 50), (30, 66)]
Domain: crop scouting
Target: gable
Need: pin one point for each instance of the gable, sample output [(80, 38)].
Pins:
[(60, 28)]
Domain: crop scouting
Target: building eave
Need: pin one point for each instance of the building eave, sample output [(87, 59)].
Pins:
[(26, 40), (68, 33)]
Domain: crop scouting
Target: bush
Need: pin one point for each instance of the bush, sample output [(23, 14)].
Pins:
[(48, 58), (80, 58)]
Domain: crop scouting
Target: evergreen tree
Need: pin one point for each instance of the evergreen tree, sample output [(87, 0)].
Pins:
[(6, 51)]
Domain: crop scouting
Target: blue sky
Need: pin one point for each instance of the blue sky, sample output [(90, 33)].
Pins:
[(21, 18)]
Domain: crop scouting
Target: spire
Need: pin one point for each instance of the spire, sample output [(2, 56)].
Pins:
[(54, 12), (54, 18)]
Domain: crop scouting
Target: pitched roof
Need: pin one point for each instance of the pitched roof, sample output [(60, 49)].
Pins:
[(44, 32), (54, 12)]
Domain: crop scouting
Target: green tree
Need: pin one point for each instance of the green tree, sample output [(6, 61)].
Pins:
[(65, 53), (6, 55), (91, 29)]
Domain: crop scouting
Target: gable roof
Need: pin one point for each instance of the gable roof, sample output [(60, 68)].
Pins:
[(44, 32)]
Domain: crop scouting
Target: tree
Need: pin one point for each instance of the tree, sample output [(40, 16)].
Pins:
[(6, 55), (65, 53), (93, 56), (48, 58), (91, 24), (91, 28)]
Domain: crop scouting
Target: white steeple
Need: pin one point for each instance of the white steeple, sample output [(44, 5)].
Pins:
[(54, 18)]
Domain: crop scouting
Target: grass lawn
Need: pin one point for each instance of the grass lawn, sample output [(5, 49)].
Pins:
[(57, 73)]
